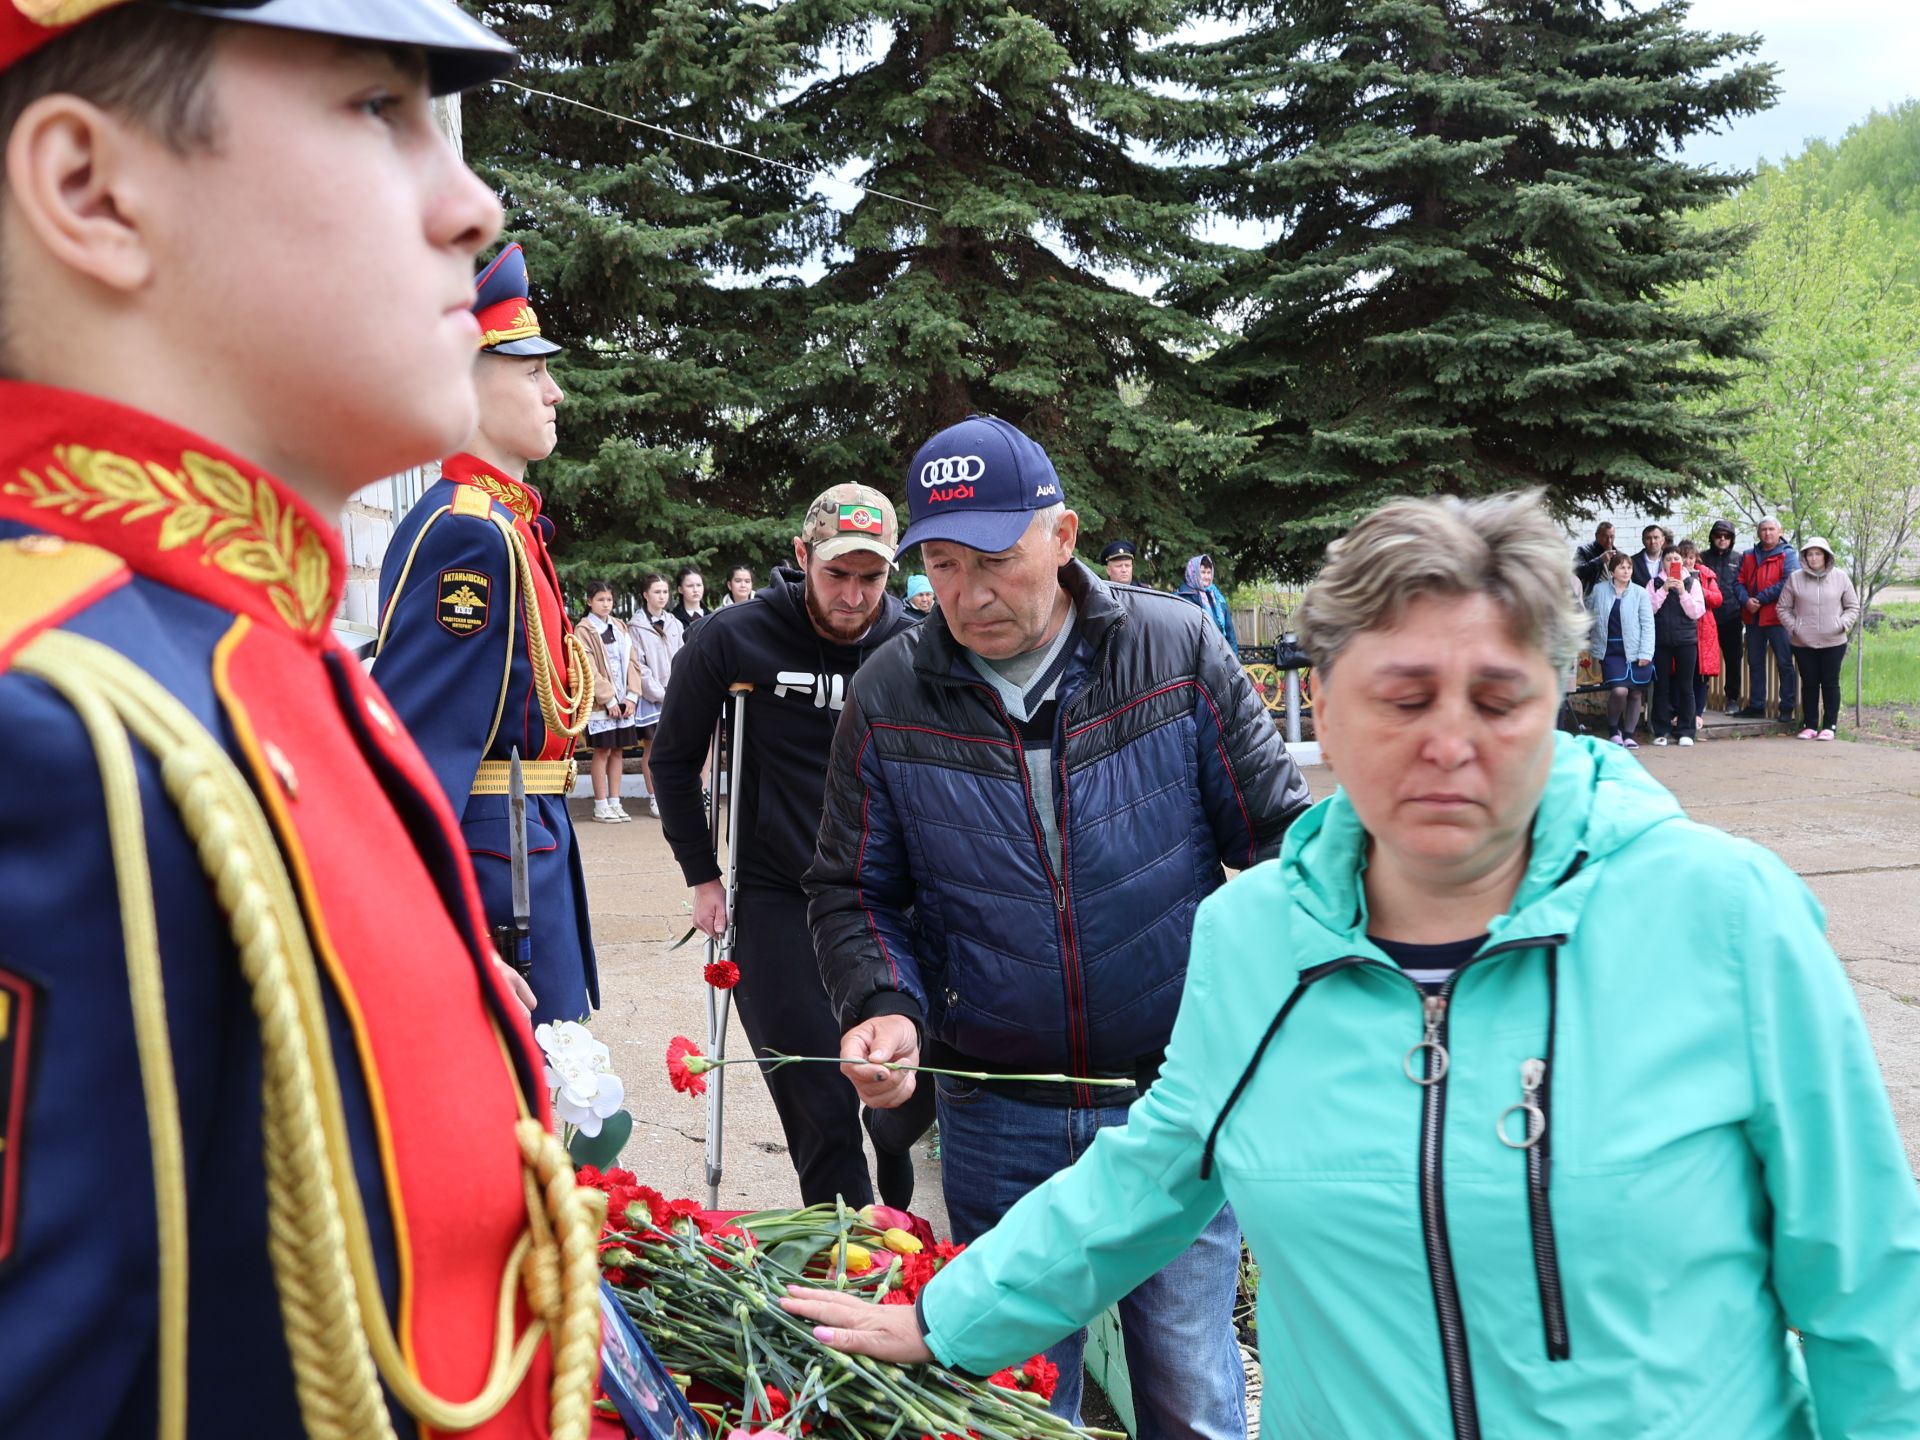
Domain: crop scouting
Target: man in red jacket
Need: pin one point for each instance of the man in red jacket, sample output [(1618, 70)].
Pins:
[(1763, 570)]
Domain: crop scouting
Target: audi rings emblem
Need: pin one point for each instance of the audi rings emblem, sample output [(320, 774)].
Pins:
[(952, 470)]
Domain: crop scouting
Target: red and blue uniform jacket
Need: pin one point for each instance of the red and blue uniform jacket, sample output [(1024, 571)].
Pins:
[(479, 660), (187, 566)]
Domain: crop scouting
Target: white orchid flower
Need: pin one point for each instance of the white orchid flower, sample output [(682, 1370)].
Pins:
[(580, 1070)]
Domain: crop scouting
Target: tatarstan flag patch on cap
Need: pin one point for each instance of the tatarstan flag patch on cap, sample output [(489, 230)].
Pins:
[(862, 520)]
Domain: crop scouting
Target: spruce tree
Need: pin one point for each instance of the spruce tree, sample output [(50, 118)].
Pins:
[(1033, 140), (646, 254), (1482, 213)]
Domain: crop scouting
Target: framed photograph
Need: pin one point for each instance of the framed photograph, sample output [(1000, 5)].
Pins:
[(636, 1382)]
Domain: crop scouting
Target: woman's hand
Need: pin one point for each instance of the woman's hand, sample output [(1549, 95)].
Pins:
[(860, 1327)]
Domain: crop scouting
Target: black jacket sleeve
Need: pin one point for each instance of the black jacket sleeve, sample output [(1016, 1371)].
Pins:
[(1249, 785), (859, 889), (696, 694)]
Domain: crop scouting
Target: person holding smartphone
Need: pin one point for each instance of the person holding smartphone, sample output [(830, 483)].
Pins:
[(1678, 604)]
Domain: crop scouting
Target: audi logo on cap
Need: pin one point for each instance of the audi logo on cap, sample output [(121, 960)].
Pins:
[(952, 470)]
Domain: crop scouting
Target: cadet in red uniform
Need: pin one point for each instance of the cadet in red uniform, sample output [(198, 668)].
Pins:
[(268, 1106), (477, 653)]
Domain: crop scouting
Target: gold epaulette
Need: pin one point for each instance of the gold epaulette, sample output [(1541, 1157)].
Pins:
[(472, 502), (41, 576)]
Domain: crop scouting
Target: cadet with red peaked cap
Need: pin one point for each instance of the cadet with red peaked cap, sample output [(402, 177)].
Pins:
[(478, 656), (243, 937)]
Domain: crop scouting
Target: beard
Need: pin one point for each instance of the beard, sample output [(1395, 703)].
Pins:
[(841, 628)]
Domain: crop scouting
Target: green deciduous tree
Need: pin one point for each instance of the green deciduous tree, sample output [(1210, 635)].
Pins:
[(1841, 337), (1481, 220), (1833, 439)]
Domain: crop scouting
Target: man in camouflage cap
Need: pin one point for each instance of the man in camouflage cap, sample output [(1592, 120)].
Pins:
[(797, 642)]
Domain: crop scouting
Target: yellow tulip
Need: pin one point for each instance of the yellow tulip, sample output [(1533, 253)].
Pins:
[(901, 1243), (859, 1259)]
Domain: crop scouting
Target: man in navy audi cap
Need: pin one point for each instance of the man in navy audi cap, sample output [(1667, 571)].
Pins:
[(1028, 796)]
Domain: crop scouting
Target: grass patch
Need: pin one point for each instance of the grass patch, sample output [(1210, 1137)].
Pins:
[(1893, 665)]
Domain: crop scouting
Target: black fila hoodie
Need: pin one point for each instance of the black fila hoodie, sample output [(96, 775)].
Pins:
[(799, 688)]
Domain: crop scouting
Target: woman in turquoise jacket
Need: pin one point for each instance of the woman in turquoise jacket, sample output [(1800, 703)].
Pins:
[(1508, 1168)]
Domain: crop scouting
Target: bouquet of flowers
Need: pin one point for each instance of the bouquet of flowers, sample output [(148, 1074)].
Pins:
[(705, 1290)]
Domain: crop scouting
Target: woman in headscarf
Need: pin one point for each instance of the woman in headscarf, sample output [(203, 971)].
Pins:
[(1506, 1170), (1198, 587)]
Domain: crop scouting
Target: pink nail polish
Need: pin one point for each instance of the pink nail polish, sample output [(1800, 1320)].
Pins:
[(823, 1334)]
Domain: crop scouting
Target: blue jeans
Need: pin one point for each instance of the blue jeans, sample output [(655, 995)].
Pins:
[(1759, 637), (1181, 1352)]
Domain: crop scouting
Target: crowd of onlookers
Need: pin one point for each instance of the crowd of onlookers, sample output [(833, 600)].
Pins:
[(1667, 618), (640, 651)]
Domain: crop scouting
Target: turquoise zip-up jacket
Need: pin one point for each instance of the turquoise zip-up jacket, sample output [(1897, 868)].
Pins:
[(1716, 1157)]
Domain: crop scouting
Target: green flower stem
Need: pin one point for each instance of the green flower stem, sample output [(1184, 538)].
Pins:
[(701, 1064), (728, 1324)]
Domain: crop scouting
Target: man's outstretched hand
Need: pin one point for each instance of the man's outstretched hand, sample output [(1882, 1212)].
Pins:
[(860, 1327), (885, 1037)]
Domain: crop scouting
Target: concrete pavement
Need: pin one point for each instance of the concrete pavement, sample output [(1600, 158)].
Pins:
[(1845, 816)]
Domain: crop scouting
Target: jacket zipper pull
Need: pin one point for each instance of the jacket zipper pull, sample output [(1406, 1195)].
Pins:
[(1060, 897), (1435, 1007), (1532, 1073)]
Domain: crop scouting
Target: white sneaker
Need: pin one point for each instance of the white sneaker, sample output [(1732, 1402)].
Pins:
[(653, 807), (1686, 739), (1659, 739), (603, 812), (619, 810)]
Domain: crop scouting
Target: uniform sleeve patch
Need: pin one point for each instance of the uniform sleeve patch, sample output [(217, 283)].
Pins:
[(464, 597), (19, 1015)]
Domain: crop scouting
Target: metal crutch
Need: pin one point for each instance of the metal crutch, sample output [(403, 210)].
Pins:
[(720, 1002)]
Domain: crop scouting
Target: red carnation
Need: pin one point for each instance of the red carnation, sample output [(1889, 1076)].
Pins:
[(1005, 1379), (777, 1405), (1042, 1376), (722, 974), (688, 1080)]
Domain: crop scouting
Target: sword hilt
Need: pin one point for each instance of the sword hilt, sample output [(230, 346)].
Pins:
[(515, 944)]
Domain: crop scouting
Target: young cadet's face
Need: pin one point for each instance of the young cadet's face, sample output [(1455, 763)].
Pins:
[(518, 400), (320, 257)]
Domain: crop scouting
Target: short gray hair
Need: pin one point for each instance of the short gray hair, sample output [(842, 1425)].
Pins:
[(1504, 546)]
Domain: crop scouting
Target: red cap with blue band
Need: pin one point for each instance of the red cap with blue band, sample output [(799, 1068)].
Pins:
[(503, 306), (459, 50)]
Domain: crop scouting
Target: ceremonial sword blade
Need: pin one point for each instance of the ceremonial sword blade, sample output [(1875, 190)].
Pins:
[(517, 842)]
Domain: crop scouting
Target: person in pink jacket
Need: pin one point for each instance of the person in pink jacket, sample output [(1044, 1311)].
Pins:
[(1679, 600), (1711, 661)]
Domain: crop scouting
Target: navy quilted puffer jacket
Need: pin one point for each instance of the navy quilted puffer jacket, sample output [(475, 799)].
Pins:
[(933, 895)]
